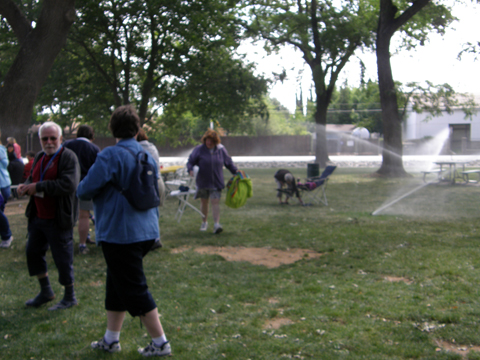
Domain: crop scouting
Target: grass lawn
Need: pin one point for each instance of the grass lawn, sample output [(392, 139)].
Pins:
[(399, 285)]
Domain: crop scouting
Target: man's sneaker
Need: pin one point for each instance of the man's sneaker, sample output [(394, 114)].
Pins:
[(63, 304), (83, 250), (154, 350), (102, 345), (40, 299), (6, 243), (204, 226), (217, 229)]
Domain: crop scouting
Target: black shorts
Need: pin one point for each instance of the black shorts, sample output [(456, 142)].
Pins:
[(127, 288)]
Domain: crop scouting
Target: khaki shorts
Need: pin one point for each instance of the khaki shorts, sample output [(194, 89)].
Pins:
[(208, 194)]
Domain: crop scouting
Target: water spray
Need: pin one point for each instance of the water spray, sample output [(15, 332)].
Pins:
[(400, 198)]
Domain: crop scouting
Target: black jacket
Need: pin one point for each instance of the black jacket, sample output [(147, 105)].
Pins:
[(63, 188)]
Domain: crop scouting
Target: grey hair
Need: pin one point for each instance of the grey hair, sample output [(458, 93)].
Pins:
[(289, 178), (47, 125)]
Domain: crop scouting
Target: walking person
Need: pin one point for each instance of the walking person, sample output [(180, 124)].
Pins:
[(86, 152), (210, 157), (52, 212), (5, 183), (125, 235)]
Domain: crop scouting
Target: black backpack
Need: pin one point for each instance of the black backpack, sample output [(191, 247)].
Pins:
[(142, 192)]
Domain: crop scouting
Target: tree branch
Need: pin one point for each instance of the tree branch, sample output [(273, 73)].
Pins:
[(16, 19)]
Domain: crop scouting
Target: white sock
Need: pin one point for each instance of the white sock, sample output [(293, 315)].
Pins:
[(160, 340), (111, 336)]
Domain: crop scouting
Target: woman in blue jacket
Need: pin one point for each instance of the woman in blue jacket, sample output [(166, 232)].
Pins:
[(210, 157), (125, 235), (5, 183)]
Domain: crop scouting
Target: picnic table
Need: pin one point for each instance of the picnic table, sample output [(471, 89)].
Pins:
[(448, 171)]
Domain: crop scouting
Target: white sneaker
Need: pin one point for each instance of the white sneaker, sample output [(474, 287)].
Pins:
[(217, 229), (154, 350), (204, 226), (102, 345), (6, 243)]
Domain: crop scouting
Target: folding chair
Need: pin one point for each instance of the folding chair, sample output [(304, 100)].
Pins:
[(314, 188), (183, 195), (180, 177)]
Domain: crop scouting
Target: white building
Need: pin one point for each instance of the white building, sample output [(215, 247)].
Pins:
[(454, 127)]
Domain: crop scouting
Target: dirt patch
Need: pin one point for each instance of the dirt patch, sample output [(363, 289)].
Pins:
[(462, 350), (270, 258), (277, 323), (398, 279)]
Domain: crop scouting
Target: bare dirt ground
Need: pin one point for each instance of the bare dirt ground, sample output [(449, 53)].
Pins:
[(270, 258), (462, 350)]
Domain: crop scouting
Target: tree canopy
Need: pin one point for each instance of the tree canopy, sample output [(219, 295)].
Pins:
[(154, 54)]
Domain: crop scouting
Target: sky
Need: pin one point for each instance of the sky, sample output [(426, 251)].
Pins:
[(436, 62)]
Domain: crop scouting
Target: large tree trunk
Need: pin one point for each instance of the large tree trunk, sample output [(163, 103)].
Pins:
[(392, 164), (388, 24), (321, 151), (39, 48)]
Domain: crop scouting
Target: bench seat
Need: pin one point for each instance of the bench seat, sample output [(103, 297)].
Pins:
[(433, 171), (466, 175)]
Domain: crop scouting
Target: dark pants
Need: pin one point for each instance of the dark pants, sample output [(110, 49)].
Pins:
[(43, 234), (127, 288), (5, 232)]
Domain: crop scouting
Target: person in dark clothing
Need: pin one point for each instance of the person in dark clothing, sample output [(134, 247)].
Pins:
[(86, 152), (284, 178), (52, 212), (15, 166)]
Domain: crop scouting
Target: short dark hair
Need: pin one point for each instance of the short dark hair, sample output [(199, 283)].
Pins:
[(31, 154), (85, 131), (124, 122)]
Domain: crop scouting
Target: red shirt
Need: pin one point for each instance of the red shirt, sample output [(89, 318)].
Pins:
[(46, 205), (26, 170)]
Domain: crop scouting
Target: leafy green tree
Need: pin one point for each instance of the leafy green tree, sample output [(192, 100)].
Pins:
[(279, 121), (170, 56), (359, 106), (327, 35), (35, 48)]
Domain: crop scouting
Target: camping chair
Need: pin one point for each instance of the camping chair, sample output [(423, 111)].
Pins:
[(314, 187), (183, 195)]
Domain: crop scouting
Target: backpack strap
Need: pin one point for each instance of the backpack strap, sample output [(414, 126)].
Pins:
[(115, 185)]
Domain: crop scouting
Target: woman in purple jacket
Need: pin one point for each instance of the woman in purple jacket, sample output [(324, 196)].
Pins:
[(210, 157)]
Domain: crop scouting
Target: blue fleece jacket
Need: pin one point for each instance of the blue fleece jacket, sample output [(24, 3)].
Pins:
[(116, 221)]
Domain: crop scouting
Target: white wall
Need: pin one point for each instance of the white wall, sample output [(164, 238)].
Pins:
[(417, 127)]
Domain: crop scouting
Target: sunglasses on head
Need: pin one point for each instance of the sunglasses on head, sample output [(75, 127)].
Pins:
[(46, 138)]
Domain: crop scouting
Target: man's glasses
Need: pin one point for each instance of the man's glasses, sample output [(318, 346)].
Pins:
[(52, 138)]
